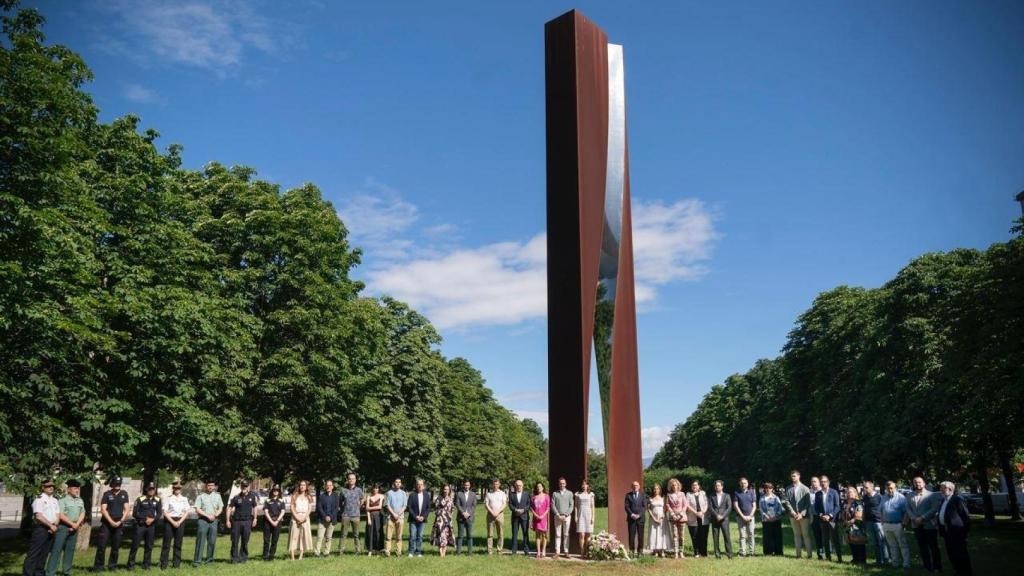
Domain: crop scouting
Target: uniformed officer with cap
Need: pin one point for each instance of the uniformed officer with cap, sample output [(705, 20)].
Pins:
[(241, 521), (148, 510), (114, 509), (45, 515), (273, 515), (72, 516)]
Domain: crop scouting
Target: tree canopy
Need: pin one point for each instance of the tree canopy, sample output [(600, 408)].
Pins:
[(203, 321)]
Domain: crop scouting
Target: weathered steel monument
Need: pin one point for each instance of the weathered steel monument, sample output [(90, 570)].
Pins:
[(591, 303)]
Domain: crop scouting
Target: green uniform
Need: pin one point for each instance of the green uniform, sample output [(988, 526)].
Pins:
[(64, 540), (206, 531)]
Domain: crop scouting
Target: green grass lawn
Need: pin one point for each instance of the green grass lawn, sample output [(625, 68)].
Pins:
[(994, 551)]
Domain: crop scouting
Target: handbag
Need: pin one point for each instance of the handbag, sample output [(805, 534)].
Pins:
[(857, 536)]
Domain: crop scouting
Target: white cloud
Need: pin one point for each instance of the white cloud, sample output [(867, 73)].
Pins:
[(141, 94), (653, 438), (506, 283), (670, 242), (213, 35), (502, 283)]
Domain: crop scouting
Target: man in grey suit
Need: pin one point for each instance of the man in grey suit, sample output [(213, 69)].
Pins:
[(465, 506), (720, 504), (922, 510), (798, 504)]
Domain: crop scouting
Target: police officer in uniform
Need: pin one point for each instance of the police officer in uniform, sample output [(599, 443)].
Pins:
[(45, 519), (273, 515), (176, 509), (148, 511), (114, 509), (241, 521)]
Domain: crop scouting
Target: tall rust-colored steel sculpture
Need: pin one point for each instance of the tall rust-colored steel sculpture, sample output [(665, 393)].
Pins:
[(591, 303)]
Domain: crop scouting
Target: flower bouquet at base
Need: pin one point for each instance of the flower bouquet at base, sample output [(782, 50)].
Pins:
[(605, 546)]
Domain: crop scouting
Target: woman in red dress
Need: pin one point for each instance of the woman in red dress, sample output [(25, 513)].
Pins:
[(540, 505)]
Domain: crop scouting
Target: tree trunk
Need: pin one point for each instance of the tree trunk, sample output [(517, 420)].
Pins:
[(986, 494), (1011, 487)]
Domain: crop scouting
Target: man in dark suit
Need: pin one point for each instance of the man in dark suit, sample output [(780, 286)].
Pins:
[(720, 504), (419, 509), (465, 507), (954, 524), (636, 507), (826, 509), (519, 503)]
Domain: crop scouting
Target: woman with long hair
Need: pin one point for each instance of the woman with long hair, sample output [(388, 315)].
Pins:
[(300, 537), (441, 535), (540, 505), (656, 514), (374, 520), (584, 513), (677, 506)]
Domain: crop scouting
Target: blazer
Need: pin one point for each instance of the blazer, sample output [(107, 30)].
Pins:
[(328, 505), (520, 503), (798, 499), (693, 499), (636, 503), (925, 506), (415, 509), (957, 518), (719, 510), (465, 502), (830, 504)]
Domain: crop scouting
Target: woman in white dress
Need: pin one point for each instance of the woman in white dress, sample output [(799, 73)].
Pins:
[(659, 525), (300, 537), (676, 506), (584, 513)]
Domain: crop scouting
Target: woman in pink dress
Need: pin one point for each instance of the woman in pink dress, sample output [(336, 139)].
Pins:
[(540, 505)]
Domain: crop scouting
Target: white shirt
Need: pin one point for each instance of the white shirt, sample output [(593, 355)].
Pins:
[(496, 499), (47, 506), (419, 500), (176, 506), (718, 498), (942, 511)]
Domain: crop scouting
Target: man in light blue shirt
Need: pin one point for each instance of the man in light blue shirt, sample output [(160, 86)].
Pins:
[(395, 502), (894, 508)]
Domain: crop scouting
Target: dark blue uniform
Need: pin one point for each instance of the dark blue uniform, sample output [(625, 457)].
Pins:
[(110, 534), (271, 533), (146, 507), (242, 515)]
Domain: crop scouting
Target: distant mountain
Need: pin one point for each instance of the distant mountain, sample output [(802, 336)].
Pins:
[(647, 461)]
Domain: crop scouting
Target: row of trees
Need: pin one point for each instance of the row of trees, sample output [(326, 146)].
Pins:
[(202, 322), (923, 375)]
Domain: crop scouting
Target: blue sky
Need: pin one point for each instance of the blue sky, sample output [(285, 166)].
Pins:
[(778, 149)]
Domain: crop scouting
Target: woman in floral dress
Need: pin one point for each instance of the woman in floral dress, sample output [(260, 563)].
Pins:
[(676, 505), (441, 536), (540, 505)]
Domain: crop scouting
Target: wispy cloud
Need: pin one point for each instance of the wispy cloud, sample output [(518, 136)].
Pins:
[(141, 94), (505, 283), (213, 35), (538, 416), (376, 217)]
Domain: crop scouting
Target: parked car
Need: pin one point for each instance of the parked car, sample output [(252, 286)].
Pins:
[(1000, 503)]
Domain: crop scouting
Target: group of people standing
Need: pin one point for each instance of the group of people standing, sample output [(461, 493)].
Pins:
[(822, 520)]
